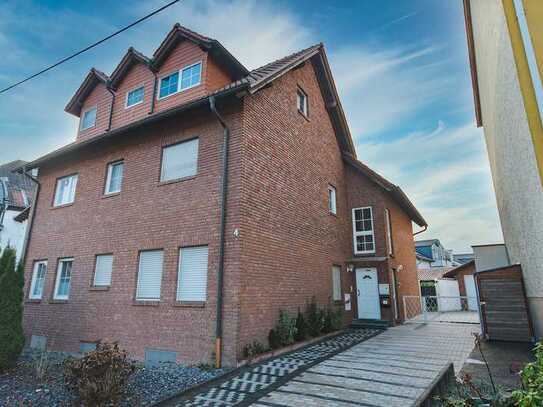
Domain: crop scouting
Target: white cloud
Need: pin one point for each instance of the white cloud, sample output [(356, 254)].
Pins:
[(382, 86), (446, 174)]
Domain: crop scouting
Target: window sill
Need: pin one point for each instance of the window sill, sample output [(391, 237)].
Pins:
[(104, 196), (33, 301), (56, 301), (190, 304), (143, 303), (304, 115), (62, 206), (99, 288), (173, 181), (333, 214)]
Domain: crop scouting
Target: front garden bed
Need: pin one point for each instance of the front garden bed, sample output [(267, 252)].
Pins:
[(20, 385)]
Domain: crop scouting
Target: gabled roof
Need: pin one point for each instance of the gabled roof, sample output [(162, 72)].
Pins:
[(130, 58), (393, 190), (17, 189), (214, 47), (178, 33), (93, 78), (452, 273), (427, 242)]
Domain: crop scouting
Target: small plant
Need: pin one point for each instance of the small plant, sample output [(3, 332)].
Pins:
[(301, 327), (315, 319), (41, 365), (100, 377), (332, 320), (286, 328), (531, 394), (273, 339), (253, 349)]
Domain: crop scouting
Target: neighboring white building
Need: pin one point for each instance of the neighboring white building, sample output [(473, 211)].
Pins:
[(505, 44), (433, 250), (16, 193)]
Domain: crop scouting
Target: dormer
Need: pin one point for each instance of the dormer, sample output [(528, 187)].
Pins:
[(185, 67)]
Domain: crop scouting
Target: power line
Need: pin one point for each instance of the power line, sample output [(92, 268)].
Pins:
[(90, 46)]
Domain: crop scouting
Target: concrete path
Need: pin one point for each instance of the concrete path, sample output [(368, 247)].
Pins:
[(393, 369)]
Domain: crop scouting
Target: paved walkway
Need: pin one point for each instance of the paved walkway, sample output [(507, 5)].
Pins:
[(392, 369)]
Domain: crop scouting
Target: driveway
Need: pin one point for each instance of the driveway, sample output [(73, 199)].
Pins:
[(392, 369)]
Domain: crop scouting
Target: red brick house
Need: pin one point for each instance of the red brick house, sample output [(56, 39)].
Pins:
[(200, 198)]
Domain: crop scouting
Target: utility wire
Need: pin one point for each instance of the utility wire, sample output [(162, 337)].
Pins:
[(90, 46)]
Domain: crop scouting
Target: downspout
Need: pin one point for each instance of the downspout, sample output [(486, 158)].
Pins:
[(424, 229), (220, 274), (111, 107), (31, 216), (154, 91)]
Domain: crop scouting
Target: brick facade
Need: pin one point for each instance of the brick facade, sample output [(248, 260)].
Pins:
[(280, 166)]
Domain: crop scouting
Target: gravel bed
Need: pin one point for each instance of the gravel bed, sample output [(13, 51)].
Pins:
[(19, 386)]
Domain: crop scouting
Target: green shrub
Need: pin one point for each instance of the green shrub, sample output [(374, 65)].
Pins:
[(531, 395), (100, 377), (286, 328), (315, 319), (253, 349), (332, 320), (11, 309), (301, 327), (273, 340)]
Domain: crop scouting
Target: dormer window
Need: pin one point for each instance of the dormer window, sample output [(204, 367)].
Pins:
[(89, 118), (134, 97), (191, 76), (169, 85)]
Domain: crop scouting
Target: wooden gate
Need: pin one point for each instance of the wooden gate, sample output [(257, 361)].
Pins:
[(504, 309)]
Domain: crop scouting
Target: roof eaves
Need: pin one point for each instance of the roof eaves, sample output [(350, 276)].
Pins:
[(75, 146), (395, 191), (473, 63), (93, 77)]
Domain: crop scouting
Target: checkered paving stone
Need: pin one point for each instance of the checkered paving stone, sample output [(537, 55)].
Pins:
[(237, 389)]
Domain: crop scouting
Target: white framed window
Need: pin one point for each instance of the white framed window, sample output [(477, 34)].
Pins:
[(336, 283), (169, 85), (89, 118), (134, 97), (179, 160), (301, 100), (150, 275), (332, 203), (192, 274), (38, 280), (63, 280), (191, 76), (363, 237), (114, 178), (65, 190), (390, 244), (102, 270)]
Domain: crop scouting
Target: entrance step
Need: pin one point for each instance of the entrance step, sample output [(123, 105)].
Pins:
[(370, 324)]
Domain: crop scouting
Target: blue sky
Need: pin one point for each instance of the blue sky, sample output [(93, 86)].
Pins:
[(401, 68)]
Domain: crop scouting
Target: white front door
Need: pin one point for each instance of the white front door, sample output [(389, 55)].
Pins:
[(367, 293), (471, 292)]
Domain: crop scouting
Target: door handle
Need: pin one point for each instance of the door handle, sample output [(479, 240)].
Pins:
[(358, 292)]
